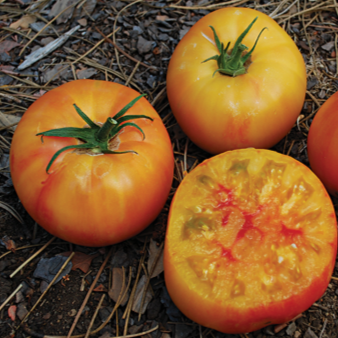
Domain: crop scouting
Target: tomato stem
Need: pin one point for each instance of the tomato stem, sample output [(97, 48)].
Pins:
[(103, 134), (94, 137), (233, 64)]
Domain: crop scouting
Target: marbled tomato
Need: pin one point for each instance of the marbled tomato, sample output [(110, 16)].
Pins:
[(90, 197), (251, 241), (223, 104), (322, 144)]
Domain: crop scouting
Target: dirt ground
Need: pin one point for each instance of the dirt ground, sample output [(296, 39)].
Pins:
[(137, 55)]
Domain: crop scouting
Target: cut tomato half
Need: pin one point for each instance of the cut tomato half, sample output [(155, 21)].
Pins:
[(251, 241)]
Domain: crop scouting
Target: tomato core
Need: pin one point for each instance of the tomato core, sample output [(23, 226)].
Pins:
[(113, 145), (250, 229)]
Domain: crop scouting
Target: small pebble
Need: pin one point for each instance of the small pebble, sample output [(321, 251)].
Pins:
[(269, 330), (310, 334), (47, 316), (19, 297), (144, 46), (297, 334), (22, 311), (291, 329), (72, 313), (104, 314), (43, 286)]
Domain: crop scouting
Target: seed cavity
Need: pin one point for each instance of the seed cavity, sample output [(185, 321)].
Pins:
[(315, 247), (207, 181)]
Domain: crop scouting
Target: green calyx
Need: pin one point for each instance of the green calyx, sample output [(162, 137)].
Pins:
[(96, 138), (233, 64)]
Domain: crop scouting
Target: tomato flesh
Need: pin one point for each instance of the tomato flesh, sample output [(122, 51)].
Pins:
[(251, 238)]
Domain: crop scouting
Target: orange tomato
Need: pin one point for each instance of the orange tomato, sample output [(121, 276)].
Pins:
[(251, 241), (255, 109), (322, 144), (91, 198)]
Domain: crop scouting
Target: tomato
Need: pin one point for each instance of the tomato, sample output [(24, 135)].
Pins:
[(322, 144), (251, 241), (254, 109), (89, 197)]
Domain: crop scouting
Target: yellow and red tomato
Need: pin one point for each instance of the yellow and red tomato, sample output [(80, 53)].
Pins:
[(221, 112), (322, 144), (251, 241), (89, 198)]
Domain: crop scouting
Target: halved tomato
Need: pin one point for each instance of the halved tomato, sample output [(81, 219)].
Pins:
[(251, 241)]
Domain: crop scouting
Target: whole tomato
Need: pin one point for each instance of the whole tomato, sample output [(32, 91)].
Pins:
[(224, 99), (322, 144), (103, 178), (251, 241)]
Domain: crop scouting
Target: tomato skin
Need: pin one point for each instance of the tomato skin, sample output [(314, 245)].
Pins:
[(91, 200), (257, 109), (233, 315), (322, 144)]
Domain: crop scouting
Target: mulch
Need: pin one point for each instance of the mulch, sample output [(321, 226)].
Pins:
[(128, 42)]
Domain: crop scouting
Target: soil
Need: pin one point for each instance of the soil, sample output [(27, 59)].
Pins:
[(148, 33)]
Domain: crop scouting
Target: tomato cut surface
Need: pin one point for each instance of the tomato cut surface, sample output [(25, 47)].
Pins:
[(251, 241)]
